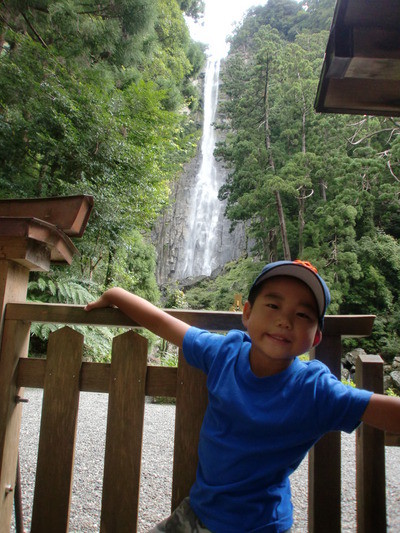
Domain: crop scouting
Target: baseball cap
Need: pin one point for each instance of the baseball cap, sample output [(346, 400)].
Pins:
[(304, 271)]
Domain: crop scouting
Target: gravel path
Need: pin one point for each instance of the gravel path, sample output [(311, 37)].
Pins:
[(157, 469)]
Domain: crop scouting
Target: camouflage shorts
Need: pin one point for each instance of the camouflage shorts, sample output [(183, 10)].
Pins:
[(182, 520)]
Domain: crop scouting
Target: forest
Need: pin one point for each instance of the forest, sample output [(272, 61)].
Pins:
[(102, 98)]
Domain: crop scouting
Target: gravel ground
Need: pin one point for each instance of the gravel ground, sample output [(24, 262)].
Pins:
[(157, 469)]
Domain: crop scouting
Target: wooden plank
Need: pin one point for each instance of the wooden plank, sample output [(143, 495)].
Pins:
[(362, 95), (69, 213), (124, 434), (191, 403), (370, 455), (345, 325), (385, 13), (12, 230), (161, 381), (75, 314), (14, 345), (324, 489), (13, 285), (30, 254), (95, 377), (324, 485), (57, 432)]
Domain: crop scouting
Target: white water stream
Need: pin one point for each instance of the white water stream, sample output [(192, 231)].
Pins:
[(195, 238), (205, 208)]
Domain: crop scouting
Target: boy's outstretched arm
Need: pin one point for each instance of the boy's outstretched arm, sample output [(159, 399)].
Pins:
[(383, 412), (144, 313)]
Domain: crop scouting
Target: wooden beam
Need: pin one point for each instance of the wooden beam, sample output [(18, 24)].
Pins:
[(69, 213), (14, 345), (370, 449), (95, 377), (16, 234), (382, 13), (324, 490), (345, 325)]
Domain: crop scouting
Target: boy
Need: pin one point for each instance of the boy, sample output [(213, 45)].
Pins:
[(266, 407)]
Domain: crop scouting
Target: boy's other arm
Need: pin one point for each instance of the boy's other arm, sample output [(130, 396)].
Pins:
[(144, 313), (383, 412)]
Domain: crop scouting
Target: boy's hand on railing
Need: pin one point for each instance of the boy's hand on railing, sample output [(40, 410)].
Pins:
[(103, 301), (144, 313)]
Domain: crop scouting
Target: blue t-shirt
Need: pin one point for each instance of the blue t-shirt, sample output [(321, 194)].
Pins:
[(256, 431)]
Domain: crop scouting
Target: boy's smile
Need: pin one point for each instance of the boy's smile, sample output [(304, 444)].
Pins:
[(282, 323)]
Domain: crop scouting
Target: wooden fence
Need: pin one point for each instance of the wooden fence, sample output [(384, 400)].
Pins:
[(33, 233), (127, 380)]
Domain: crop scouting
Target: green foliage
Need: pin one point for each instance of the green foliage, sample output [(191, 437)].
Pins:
[(192, 8), (316, 186), (349, 382), (218, 294), (175, 298), (133, 266), (91, 101), (53, 289)]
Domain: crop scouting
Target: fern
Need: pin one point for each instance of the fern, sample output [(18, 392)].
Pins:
[(59, 290), (42, 331), (50, 289)]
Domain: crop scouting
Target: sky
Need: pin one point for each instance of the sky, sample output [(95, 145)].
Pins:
[(219, 20)]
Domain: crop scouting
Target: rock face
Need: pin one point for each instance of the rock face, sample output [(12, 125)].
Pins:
[(172, 236), (193, 237)]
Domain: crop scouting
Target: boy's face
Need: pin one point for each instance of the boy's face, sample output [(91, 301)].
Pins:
[(282, 323)]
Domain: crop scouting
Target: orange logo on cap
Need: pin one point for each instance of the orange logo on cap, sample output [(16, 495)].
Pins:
[(307, 264)]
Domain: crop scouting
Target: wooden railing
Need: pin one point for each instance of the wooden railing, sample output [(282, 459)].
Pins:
[(127, 380)]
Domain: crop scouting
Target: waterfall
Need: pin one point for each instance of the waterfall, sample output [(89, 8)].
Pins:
[(193, 237), (203, 245)]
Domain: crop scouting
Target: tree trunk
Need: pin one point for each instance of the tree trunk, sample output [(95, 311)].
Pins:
[(302, 205), (273, 246), (266, 119), (281, 215), (282, 226), (303, 120), (108, 277)]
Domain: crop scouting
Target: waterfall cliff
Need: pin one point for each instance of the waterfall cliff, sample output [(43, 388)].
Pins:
[(193, 236)]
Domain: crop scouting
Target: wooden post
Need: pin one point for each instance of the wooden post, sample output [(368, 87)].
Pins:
[(370, 477), (191, 403), (324, 479), (120, 502), (26, 244), (14, 278), (57, 432), (14, 345), (13, 285)]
